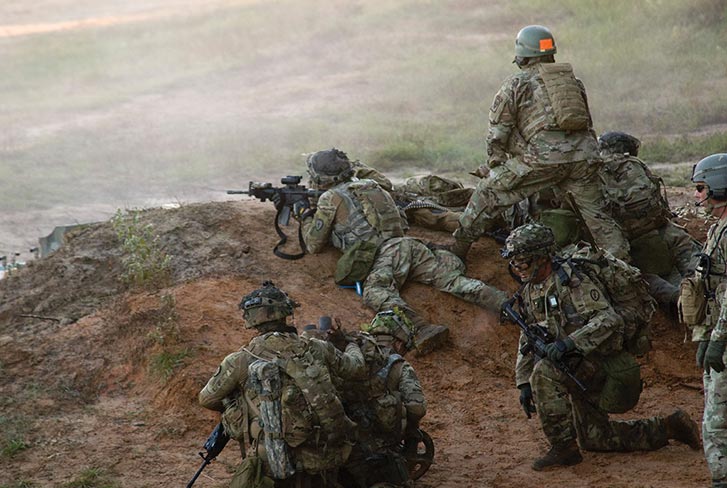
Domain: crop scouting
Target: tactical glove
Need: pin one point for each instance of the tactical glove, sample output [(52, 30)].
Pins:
[(300, 208), (556, 350), (701, 349), (526, 399), (713, 356)]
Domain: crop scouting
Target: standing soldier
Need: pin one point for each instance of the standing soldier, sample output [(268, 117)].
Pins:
[(704, 309), (588, 336), (361, 219), (545, 106)]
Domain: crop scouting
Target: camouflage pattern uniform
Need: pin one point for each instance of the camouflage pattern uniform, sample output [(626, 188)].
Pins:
[(663, 251), (341, 220), (714, 422), (551, 158), (225, 391), (387, 405), (584, 314)]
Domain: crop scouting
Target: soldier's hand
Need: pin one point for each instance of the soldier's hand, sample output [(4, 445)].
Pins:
[(300, 209), (713, 356), (701, 350), (556, 350), (526, 399)]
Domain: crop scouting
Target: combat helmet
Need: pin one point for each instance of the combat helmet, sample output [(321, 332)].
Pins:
[(266, 304), (529, 240), (615, 142), (533, 41), (394, 323), (712, 170), (328, 168)]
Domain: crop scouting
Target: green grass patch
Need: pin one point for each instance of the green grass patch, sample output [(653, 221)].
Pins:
[(20, 484), (13, 436), (93, 478), (163, 364), (683, 148)]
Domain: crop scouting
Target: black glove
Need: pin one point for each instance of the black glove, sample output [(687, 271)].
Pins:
[(299, 208), (277, 199), (526, 399), (556, 350), (713, 356), (701, 349)]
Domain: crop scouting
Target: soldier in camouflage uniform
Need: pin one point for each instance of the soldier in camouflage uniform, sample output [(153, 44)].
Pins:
[(357, 215), (663, 251), (546, 107), (588, 334), (709, 323), (266, 310), (387, 404)]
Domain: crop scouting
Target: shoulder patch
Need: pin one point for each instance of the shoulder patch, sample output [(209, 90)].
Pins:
[(319, 224), (595, 295)]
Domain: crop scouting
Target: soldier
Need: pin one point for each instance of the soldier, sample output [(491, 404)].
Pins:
[(663, 251), (361, 219), (588, 335), (388, 406), (545, 107), (702, 305), (317, 438)]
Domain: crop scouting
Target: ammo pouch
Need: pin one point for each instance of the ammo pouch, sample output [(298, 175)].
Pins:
[(692, 301), (569, 107), (356, 262), (650, 254), (250, 474), (622, 388)]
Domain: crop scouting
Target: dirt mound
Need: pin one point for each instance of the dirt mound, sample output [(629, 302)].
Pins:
[(108, 379)]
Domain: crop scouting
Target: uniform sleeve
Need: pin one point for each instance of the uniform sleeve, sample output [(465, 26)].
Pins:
[(524, 364), (503, 117), (348, 365), (317, 228), (230, 375), (601, 320), (719, 333), (362, 171), (412, 395)]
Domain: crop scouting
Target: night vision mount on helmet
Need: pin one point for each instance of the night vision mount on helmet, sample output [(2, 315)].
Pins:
[(266, 304)]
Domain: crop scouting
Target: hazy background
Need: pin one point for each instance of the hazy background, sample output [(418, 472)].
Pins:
[(108, 104)]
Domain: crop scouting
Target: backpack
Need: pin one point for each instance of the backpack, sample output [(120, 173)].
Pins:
[(565, 95), (627, 290), (302, 408)]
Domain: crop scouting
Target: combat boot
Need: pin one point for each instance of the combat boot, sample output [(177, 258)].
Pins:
[(566, 455), (681, 427), (429, 337)]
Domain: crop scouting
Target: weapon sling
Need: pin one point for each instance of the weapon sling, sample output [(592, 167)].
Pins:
[(284, 239)]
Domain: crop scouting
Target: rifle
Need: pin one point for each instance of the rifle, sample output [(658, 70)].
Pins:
[(538, 337), (216, 442), (287, 196)]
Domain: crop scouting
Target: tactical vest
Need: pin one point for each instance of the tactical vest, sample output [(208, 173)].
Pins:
[(372, 215), (634, 195), (711, 270), (555, 103), (314, 424), (627, 290)]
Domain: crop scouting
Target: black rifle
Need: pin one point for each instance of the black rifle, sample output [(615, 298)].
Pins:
[(538, 337), (216, 442), (288, 195)]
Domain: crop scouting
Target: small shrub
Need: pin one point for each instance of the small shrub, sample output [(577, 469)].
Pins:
[(146, 265), (166, 329), (164, 363)]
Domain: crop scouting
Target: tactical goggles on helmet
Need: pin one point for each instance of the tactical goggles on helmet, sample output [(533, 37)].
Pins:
[(252, 302)]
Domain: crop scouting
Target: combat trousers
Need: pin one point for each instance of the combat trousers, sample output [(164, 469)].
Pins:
[(567, 414), (515, 181), (714, 423), (403, 259)]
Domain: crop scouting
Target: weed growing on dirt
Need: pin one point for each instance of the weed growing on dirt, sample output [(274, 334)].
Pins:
[(13, 436), (166, 329), (164, 363), (92, 478), (20, 484), (146, 265)]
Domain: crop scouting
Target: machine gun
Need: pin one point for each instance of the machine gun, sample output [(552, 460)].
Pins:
[(216, 442), (291, 194), (538, 337)]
